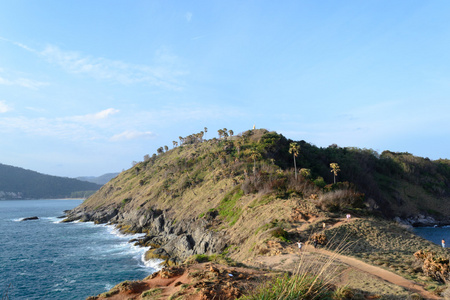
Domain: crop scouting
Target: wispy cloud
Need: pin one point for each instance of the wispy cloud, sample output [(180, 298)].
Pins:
[(18, 44), (132, 135), (23, 82), (94, 126), (4, 107), (94, 117), (165, 72), (163, 75)]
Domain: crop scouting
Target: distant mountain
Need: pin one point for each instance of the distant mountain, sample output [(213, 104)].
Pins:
[(100, 179), (18, 183)]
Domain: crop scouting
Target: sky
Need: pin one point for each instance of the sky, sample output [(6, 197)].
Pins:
[(87, 87)]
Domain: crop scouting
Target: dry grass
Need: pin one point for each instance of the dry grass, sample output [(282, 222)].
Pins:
[(389, 246)]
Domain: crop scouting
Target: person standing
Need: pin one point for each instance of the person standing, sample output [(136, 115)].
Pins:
[(299, 244), (443, 243)]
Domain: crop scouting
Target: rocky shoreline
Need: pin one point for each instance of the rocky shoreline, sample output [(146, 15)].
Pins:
[(171, 240), (421, 220)]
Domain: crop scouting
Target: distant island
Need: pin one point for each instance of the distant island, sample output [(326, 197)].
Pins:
[(17, 183)]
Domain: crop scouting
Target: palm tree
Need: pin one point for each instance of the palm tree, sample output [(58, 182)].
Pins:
[(294, 149), (166, 148), (238, 144), (181, 140), (231, 132), (254, 155), (335, 169), (225, 133)]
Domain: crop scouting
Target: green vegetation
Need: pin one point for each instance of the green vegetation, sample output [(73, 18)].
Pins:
[(151, 293), (228, 207)]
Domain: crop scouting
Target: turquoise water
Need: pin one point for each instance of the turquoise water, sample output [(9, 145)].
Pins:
[(45, 259)]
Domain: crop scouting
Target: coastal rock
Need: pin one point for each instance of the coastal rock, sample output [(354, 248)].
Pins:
[(421, 220), (175, 240), (30, 218)]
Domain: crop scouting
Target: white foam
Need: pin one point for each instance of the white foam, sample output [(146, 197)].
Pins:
[(108, 286)]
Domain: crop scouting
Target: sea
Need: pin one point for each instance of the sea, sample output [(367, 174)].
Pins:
[(47, 259), (434, 234)]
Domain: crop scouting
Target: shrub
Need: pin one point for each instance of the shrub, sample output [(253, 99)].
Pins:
[(281, 234)]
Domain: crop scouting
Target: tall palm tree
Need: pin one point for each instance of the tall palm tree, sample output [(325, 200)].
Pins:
[(231, 132), (335, 169), (294, 149), (255, 155)]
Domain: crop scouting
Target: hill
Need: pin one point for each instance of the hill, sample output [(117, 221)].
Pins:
[(18, 183), (101, 180), (241, 197)]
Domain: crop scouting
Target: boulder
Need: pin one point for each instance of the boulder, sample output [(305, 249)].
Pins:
[(30, 218)]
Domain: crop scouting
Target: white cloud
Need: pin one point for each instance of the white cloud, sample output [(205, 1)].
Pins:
[(95, 117), (164, 75), (132, 135), (23, 82), (4, 107)]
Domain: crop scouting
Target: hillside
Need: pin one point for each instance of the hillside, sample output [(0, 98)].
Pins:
[(239, 196), (18, 183)]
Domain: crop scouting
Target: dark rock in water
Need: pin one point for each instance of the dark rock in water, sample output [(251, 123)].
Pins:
[(61, 217), (30, 218)]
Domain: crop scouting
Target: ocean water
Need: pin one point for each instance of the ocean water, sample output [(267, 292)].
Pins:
[(46, 259), (434, 234)]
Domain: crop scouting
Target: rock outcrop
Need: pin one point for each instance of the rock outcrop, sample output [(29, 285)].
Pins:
[(30, 218), (175, 240)]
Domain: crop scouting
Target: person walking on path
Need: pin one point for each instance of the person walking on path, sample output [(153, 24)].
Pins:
[(299, 244), (443, 243)]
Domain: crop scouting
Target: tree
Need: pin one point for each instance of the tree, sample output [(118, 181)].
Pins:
[(166, 148), (181, 140), (160, 150), (254, 155), (175, 143), (225, 133), (306, 173), (335, 169), (294, 149), (220, 132), (238, 144), (231, 132)]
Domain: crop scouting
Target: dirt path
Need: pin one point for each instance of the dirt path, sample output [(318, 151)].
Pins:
[(287, 262), (381, 273)]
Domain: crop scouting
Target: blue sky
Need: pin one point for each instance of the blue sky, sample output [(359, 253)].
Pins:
[(87, 87)]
